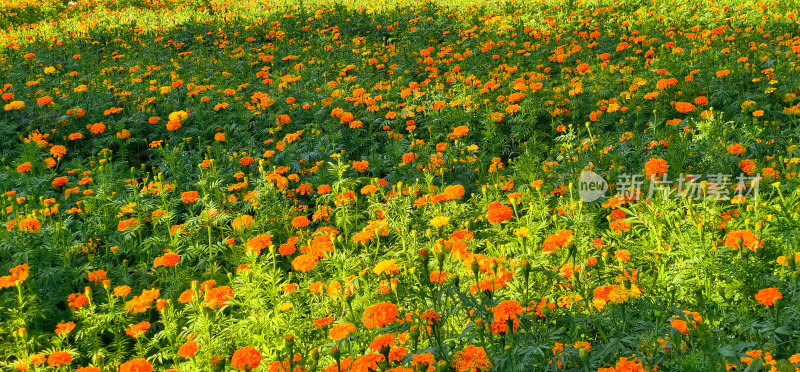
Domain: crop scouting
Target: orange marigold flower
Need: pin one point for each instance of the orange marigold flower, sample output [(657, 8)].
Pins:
[(96, 128), (169, 259), (242, 222), (64, 328), (219, 296), (768, 296), (380, 315), (459, 132), (453, 192), (507, 310), (680, 325), (258, 243), (77, 300), (684, 107), (188, 349), (743, 238), (190, 197), (655, 166), (361, 166), (58, 358), (88, 369), (58, 151), (122, 291), (137, 329), (471, 359), (127, 224), (173, 125), (341, 331), (367, 363), (499, 213), (29, 225), (748, 166), (136, 365), (737, 149), (43, 101), (383, 341), (386, 267), (558, 240), (304, 262), (24, 167), (300, 222), (246, 358)]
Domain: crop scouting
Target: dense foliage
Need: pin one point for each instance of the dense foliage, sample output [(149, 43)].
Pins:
[(394, 186)]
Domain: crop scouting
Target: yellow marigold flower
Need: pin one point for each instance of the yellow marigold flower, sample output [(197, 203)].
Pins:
[(440, 221), (178, 116), (14, 105)]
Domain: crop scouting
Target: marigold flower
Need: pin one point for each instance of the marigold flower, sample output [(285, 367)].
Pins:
[(137, 329), (188, 349), (386, 267), (558, 240), (684, 107), (458, 132), (58, 358), (58, 151), (64, 328), (300, 222), (190, 197), (439, 221), (304, 262), (14, 105), (655, 166), (218, 297), (380, 315), (507, 310), (768, 296), (44, 101), (88, 369), (246, 358), (258, 243), (341, 331), (77, 300), (122, 291), (471, 359), (24, 167), (680, 325), (169, 259), (499, 213), (136, 365), (743, 238), (128, 224)]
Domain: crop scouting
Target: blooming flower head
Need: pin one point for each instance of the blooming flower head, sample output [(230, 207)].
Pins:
[(380, 315), (341, 331), (58, 358), (499, 213), (246, 358), (136, 365), (655, 166), (439, 221), (768, 296), (472, 359), (558, 240)]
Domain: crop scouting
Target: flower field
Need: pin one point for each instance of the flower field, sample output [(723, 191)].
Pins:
[(584, 185)]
